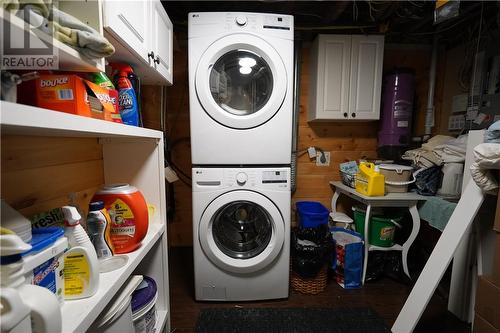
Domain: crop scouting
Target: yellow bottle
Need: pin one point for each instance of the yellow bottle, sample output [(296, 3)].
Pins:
[(369, 181)]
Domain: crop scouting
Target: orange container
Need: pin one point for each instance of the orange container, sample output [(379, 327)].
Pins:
[(129, 215)]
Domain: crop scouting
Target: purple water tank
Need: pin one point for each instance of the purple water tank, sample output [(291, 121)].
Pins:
[(397, 109)]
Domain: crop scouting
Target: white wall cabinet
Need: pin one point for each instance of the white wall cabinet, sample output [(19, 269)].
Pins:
[(142, 34), (162, 37), (346, 77)]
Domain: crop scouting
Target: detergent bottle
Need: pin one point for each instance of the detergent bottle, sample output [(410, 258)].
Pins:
[(127, 98), (369, 180)]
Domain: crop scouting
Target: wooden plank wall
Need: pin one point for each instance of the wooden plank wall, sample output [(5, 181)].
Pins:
[(41, 173), (345, 140)]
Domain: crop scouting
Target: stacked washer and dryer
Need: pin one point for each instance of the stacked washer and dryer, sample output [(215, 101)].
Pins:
[(241, 106)]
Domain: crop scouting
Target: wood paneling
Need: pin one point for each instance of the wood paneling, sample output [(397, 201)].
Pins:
[(344, 140), (41, 173)]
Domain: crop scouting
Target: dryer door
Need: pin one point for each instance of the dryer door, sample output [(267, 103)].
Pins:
[(241, 81), (241, 231)]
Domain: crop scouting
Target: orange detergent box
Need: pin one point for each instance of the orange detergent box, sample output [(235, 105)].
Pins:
[(71, 94)]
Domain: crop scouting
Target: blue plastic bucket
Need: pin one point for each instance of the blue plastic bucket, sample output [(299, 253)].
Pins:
[(312, 214)]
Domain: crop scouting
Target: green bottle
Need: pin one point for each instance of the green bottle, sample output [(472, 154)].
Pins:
[(102, 80)]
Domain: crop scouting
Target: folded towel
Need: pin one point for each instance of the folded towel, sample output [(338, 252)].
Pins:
[(65, 27), (492, 135), (453, 151)]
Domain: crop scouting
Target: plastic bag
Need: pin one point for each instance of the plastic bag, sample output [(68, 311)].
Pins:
[(348, 260), (311, 250)]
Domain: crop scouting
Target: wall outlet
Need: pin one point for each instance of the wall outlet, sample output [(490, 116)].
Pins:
[(318, 159)]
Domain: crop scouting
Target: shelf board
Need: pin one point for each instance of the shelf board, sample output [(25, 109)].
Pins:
[(20, 119), (161, 320), (69, 59), (78, 315)]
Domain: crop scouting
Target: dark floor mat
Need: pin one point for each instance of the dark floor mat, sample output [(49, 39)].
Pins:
[(298, 320)]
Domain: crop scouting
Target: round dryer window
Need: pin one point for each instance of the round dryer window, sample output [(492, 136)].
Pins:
[(242, 229), (241, 82)]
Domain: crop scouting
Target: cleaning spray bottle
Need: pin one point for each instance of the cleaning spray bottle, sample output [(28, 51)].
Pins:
[(81, 267), (127, 98)]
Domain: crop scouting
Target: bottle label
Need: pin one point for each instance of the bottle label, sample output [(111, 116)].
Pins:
[(76, 274), (49, 275), (122, 224), (127, 107), (98, 227)]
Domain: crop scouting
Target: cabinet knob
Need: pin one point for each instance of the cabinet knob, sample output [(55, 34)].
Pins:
[(151, 55), (345, 114), (157, 60), (353, 115)]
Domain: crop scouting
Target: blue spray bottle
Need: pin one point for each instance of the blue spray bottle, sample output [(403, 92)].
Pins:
[(127, 100)]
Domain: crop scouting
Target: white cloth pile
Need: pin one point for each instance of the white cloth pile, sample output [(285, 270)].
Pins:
[(486, 158), (438, 150)]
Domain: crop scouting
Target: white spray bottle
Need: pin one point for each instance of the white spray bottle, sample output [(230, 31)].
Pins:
[(81, 267)]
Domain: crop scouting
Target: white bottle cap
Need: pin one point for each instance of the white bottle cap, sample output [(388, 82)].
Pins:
[(71, 216), (377, 168)]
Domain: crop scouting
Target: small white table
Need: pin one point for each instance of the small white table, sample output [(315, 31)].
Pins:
[(408, 200)]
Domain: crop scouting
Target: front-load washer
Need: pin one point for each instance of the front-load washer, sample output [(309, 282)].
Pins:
[(241, 233), (240, 88)]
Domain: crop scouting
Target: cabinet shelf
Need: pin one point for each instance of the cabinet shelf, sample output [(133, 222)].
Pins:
[(78, 315), (19, 119), (69, 59)]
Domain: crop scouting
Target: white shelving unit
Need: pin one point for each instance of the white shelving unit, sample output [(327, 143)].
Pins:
[(131, 155)]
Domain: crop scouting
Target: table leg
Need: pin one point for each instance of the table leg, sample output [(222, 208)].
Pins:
[(413, 235), (367, 244), (334, 202)]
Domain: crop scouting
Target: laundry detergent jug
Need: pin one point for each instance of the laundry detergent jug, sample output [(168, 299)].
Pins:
[(129, 215)]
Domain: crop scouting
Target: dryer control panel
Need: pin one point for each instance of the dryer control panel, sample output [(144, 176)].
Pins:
[(210, 23)]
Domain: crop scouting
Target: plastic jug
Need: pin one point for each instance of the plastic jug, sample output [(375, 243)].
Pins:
[(369, 181)]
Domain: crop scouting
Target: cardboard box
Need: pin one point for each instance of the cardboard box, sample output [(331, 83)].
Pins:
[(482, 326), (71, 94), (65, 93), (488, 301), (496, 262)]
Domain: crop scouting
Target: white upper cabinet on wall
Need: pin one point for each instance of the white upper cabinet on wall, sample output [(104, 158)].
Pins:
[(129, 21), (162, 36), (143, 29), (346, 77)]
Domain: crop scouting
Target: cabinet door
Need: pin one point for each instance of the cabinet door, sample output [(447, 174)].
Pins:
[(162, 35), (333, 76), (367, 54), (129, 22)]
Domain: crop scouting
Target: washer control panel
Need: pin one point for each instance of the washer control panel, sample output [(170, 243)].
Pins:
[(274, 177)]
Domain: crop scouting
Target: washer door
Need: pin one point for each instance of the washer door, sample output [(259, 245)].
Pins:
[(241, 231), (241, 81)]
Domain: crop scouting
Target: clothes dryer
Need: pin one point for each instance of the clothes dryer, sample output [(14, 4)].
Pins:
[(240, 88)]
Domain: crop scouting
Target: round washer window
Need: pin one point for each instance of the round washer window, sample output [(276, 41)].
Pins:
[(242, 229), (241, 82)]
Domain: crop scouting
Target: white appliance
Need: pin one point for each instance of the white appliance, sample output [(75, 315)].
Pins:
[(241, 233), (240, 88)]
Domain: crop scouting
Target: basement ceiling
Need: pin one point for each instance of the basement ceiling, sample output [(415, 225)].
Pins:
[(400, 21)]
